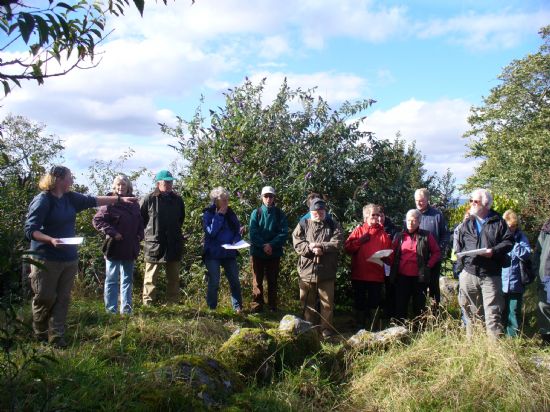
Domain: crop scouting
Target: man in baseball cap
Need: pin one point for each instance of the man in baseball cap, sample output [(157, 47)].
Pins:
[(268, 234), (163, 212)]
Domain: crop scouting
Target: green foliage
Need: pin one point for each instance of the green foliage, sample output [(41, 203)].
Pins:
[(500, 205), (510, 132), (53, 30), (26, 151), (297, 143)]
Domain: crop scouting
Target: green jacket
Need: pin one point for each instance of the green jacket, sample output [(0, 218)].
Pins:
[(163, 216), (270, 227)]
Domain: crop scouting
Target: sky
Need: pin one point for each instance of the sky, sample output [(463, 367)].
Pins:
[(425, 62)]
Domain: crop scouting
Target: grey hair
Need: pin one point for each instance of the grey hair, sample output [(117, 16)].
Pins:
[(367, 209), (124, 178), (423, 192), (486, 197), (414, 212), (218, 192)]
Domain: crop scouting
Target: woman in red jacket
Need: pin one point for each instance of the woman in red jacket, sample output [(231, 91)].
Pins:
[(367, 271)]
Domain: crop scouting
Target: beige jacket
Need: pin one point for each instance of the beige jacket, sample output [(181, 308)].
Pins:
[(331, 237)]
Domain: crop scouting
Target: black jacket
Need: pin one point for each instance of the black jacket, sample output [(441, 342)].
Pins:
[(163, 217), (494, 235)]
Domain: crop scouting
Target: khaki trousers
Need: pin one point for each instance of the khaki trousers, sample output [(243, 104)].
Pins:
[(150, 277), (482, 299), (324, 290), (51, 284)]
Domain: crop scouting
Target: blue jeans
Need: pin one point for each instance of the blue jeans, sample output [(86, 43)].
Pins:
[(231, 273), (115, 270)]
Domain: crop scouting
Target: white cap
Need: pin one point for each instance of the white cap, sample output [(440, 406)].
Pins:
[(268, 189)]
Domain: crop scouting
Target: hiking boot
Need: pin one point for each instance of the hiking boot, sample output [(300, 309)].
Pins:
[(58, 342)]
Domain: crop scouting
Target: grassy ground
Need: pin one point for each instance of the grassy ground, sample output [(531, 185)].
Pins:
[(109, 361)]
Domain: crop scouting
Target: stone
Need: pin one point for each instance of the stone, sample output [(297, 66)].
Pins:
[(369, 340), (296, 339), (209, 380), (449, 289), (250, 352)]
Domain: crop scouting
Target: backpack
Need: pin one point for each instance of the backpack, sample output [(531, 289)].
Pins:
[(526, 271)]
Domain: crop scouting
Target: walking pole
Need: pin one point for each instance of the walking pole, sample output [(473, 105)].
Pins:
[(315, 262)]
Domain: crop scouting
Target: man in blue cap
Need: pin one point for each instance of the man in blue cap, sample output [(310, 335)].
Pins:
[(163, 213)]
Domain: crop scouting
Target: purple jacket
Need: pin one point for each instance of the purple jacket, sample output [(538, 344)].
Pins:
[(123, 218)]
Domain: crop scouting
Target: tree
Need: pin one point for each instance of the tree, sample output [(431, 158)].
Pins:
[(52, 30), (511, 133), (26, 153), (296, 143)]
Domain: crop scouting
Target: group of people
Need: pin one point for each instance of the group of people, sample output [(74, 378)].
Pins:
[(388, 265)]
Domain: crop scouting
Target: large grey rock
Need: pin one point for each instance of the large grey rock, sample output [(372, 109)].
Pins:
[(294, 325), (368, 340), (449, 289)]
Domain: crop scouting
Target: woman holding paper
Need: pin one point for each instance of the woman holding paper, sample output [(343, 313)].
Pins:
[(415, 253), (50, 220), (368, 244), (221, 227), (122, 226)]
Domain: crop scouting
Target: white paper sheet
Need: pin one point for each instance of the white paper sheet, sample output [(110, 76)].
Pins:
[(376, 257), (474, 252), (241, 244), (72, 240)]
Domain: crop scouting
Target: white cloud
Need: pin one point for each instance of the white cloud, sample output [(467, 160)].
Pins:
[(486, 31), (333, 87), (436, 127), (273, 47)]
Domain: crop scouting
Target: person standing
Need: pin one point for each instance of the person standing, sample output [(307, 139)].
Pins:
[(163, 213), (541, 264), (486, 236), (415, 254), (268, 233), (52, 217), (318, 241), (221, 226), (367, 275), (512, 286), (122, 226), (434, 222)]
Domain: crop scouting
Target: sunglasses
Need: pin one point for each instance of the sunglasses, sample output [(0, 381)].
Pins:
[(268, 195), (477, 202)]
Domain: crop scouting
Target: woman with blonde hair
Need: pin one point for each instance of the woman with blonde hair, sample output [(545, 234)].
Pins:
[(512, 286), (52, 217), (122, 226)]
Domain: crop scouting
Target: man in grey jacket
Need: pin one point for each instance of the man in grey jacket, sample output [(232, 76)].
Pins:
[(482, 249), (163, 213), (434, 222), (318, 241)]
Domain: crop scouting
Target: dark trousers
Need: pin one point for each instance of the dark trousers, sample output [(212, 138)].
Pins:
[(407, 287), (264, 269), (433, 286), (389, 298), (367, 295)]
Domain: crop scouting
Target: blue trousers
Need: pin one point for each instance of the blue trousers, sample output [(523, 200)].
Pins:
[(119, 276), (231, 273)]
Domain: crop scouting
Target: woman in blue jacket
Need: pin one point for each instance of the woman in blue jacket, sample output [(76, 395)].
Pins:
[(221, 226), (512, 286)]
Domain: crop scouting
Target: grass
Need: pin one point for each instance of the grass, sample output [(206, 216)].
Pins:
[(109, 364)]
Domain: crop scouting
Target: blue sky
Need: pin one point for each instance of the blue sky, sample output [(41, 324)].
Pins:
[(424, 62)]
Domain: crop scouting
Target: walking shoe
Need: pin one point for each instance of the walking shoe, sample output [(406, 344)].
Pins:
[(58, 342), (238, 311), (41, 337)]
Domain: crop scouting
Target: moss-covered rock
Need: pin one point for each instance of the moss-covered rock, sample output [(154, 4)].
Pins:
[(368, 340), (296, 340), (206, 378), (249, 352)]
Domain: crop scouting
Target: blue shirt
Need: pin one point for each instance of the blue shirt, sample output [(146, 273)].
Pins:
[(56, 217)]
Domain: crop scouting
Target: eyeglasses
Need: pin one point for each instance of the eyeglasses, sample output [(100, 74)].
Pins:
[(477, 202), (375, 215), (269, 195)]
